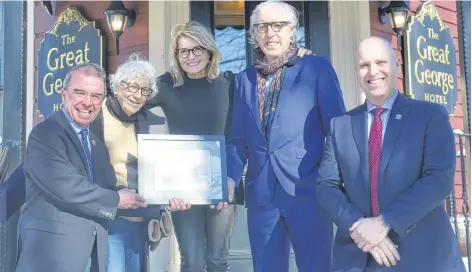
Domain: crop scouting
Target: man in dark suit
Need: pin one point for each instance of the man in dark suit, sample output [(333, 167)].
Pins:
[(64, 223), (281, 114), (387, 168)]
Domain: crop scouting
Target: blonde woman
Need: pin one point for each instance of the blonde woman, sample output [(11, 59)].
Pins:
[(195, 100)]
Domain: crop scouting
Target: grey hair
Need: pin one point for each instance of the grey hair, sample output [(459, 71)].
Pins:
[(134, 67), (89, 69), (202, 35), (292, 14)]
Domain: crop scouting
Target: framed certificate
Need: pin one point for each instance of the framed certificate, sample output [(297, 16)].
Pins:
[(189, 167)]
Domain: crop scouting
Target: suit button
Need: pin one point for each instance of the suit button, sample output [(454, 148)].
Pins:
[(94, 233), (271, 152)]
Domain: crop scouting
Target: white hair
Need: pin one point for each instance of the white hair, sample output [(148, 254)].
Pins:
[(292, 17), (134, 68)]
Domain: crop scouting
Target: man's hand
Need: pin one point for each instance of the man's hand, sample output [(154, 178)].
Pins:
[(225, 205), (178, 205), (369, 232), (130, 200), (302, 51), (386, 253)]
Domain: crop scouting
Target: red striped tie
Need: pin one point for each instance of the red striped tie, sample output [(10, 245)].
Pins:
[(375, 150)]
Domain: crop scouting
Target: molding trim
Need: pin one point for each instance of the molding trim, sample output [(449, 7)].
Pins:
[(30, 69), (349, 25), (163, 15)]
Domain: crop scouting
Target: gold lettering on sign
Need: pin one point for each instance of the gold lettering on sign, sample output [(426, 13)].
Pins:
[(430, 53), (56, 61), (435, 98), (66, 39), (58, 106)]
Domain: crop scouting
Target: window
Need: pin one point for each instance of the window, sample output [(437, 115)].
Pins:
[(231, 31), (230, 35)]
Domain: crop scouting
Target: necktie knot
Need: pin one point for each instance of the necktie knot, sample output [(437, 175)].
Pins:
[(378, 111), (84, 133)]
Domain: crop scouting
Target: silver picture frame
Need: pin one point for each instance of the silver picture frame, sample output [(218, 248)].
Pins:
[(189, 167)]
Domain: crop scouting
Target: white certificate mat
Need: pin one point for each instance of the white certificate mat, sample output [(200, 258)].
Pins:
[(181, 166)]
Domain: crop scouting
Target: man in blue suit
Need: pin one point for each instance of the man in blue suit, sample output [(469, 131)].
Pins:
[(63, 226), (387, 168), (281, 113)]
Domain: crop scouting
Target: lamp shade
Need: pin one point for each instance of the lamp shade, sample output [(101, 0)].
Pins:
[(398, 20), (119, 17), (398, 12), (117, 22)]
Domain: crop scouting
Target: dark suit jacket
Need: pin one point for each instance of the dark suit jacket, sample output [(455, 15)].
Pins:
[(416, 175), (309, 98), (12, 194), (65, 213)]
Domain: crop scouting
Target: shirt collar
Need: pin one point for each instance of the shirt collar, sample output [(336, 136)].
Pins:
[(388, 105), (77, 128)]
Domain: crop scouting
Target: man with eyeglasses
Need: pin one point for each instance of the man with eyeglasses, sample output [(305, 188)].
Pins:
[(281, 115), (63, 226)]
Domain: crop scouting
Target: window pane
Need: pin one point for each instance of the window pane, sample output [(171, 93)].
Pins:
[(300, 6), (230, 35)]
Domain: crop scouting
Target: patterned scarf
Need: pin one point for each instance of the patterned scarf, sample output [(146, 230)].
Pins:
[(263, 69)]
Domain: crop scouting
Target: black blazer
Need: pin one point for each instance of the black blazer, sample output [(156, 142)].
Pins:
[(65, 213)]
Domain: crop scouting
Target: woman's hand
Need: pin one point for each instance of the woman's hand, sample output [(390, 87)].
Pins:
[(178, 204), (225, 205)]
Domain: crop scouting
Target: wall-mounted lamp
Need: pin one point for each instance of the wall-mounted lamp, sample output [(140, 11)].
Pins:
[(397, 14), (119, 17)]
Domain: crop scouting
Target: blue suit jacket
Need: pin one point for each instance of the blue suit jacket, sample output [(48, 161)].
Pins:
[(64, 213), (416, 175), (309, 98), (12, 194)]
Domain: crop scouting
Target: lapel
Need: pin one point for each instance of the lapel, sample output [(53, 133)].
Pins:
[(359, 131), (252, 77), (401, 108), (64, 122), (288, 78)]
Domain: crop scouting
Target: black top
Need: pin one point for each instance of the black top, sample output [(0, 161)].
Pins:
[(198, 107)]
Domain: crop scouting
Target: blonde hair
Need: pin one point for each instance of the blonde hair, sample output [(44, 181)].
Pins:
[(204, 38)]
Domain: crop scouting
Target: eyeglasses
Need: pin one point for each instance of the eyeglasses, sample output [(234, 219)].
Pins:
[(196, 51), (94, 97), (133, 88), (276, 26)]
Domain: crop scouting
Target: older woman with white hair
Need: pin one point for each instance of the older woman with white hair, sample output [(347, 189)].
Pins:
[(122, 118), (281, 115)]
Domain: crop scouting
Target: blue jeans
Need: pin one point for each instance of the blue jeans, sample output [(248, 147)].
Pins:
[(126, 246), (204, 236)]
